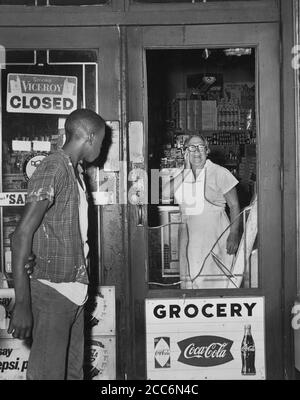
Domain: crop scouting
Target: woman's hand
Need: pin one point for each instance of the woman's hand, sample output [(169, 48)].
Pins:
[(232, 243), (187, 163)]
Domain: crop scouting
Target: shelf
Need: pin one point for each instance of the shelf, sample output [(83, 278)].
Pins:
[(212, 131), (234, 144)]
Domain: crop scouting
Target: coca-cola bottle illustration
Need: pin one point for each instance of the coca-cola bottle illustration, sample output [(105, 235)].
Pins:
[(248, 352)]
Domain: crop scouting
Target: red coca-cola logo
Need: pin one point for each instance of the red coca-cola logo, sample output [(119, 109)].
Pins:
[(205, 351)]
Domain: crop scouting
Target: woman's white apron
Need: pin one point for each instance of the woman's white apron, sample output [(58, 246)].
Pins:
[(203, 224)]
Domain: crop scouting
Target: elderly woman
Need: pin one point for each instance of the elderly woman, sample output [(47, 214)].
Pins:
[(202, 189)]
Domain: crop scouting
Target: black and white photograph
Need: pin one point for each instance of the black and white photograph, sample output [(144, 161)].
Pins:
[(150, 193)]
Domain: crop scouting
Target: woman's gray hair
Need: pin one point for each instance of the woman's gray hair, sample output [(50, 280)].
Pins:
[(203, 138)]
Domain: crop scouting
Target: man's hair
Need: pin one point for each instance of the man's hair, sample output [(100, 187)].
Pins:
[(81, 122), (203, 138)]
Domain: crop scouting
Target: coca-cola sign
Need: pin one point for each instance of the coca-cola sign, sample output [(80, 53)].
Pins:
[(162, 352), (205, 351)]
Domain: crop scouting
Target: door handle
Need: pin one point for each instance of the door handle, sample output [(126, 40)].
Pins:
[(139, 215)]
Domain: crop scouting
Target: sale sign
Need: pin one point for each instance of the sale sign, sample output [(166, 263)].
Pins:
[(41, 94), (205, 338)]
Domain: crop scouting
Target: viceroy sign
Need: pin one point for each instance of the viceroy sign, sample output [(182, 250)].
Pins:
[(205, 351)]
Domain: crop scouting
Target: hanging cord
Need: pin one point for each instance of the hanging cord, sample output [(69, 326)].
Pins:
[(215, 257), (211, 250)]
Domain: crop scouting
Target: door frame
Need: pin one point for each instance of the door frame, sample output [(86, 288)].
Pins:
[(265, 38)]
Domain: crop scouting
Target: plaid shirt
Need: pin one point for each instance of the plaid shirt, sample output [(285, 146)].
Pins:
[(57, 242)]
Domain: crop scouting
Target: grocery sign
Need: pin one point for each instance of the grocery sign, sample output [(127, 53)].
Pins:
[(214, 338), (41, 94)]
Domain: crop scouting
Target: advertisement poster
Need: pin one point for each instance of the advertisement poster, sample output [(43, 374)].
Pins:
[(41, 94), (205, 339), (100, 358), (14, 355)]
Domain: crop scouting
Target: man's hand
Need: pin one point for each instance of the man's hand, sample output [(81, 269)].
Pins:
[(232, 243), (21, 322), (29, 266)]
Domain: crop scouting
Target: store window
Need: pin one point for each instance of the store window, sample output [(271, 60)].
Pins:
[(39, 88), (202, 110)]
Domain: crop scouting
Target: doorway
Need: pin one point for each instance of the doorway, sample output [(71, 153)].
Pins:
[(232, 73)]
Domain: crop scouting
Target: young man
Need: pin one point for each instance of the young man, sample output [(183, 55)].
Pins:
[(54, 226)]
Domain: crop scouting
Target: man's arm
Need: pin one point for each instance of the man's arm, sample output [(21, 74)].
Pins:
[(21, 320), (234, 207)]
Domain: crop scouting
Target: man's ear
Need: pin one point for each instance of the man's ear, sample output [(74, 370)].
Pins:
[(91, 137)]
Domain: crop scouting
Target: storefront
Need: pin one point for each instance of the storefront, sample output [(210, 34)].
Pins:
[(160, 72)]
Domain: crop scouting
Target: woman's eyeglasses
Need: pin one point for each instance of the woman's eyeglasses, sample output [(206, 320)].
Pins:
[(192, 147)]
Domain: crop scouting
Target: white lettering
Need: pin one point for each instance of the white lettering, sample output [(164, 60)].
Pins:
[(29, 86), (214, 350)]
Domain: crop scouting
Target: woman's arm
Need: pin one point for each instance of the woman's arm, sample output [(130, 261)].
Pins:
[(234, 207)]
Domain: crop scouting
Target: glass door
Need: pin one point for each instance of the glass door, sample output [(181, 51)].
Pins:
[(57, 71), (206, 91)]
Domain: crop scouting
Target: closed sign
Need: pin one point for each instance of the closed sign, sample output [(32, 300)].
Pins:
[(41, 94)]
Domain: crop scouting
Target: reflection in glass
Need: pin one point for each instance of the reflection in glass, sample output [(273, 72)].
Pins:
[(202, 118)]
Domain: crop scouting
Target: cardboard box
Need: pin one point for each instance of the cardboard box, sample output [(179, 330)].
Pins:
[(14, 355), (100, 358), (100, 314)]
